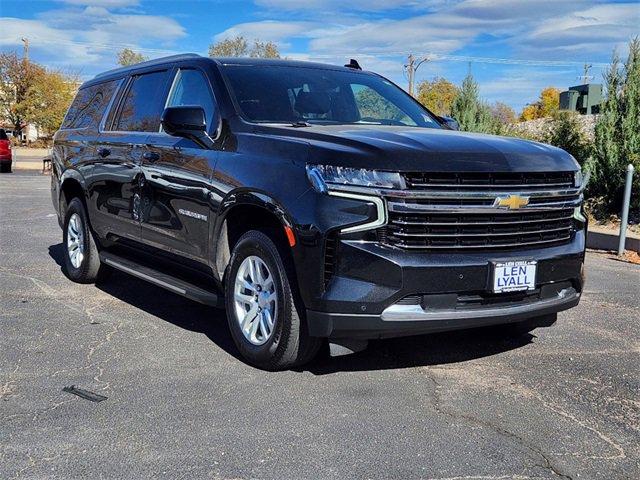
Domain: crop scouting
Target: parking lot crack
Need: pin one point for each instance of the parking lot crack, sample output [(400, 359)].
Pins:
[(438, 406)]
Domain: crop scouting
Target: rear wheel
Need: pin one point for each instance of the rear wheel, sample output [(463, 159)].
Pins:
[(5, 167), (265, 317), (81, 259)]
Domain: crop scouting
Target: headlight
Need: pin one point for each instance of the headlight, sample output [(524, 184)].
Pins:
[(577, 179), (322, 176)]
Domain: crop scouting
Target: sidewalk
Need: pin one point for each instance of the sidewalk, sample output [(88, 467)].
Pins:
[(28, 158)]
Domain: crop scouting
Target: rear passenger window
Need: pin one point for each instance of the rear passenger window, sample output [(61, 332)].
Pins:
[(192, 88), (88, 107), (143, 104)]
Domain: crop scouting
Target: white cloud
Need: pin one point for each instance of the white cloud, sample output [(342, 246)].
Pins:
[(104, 3), (356, 5), (75, 37)]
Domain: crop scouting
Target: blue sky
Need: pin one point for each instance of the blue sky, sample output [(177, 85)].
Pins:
[(516, 47)]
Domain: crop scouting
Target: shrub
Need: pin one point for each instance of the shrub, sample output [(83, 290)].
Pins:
[(565, 131)]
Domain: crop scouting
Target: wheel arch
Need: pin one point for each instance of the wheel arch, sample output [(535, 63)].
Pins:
[(244, 211)]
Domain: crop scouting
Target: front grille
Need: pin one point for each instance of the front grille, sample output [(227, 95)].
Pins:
[(481, 180), (465, 211)]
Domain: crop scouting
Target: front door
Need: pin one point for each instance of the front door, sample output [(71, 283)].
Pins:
[(177, 173)]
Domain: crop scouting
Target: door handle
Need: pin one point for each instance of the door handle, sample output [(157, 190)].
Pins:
[(151, 156), (104, 152)]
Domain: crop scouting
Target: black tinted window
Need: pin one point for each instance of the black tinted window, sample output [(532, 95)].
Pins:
[(283, 94), (143, 104), (89, 105), (191, 88)]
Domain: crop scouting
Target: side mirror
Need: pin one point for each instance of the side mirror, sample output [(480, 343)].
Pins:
[(451, 123), (187, 122)]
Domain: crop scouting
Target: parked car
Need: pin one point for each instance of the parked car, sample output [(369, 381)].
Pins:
[(6, 158), (313, 202)]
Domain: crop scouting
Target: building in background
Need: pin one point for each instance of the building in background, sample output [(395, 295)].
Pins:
[(584, 99)]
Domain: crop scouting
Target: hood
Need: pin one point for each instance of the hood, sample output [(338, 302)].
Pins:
[(410, 149)]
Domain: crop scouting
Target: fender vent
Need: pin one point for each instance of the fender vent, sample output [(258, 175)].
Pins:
[(330, 258)]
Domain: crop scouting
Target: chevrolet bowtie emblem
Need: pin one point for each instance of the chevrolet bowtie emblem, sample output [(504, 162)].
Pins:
[(512, 202)]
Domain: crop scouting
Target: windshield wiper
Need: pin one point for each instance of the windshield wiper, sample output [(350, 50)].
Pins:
[(300, 124)]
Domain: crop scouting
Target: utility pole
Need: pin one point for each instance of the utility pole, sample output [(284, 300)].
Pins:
[(412, 66), (26, 48), (586, 77)]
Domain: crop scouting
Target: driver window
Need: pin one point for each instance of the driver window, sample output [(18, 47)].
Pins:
[(190, 87), (374, 107)]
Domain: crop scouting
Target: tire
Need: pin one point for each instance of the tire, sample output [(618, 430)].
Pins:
[(284, 343), (84, 266), (5, 167), (519, 329)]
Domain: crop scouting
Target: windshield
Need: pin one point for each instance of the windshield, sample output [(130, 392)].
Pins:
[(293, 94)]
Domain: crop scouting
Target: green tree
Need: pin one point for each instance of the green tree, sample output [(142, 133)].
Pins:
[(238, 46), (617, 132), (437, 95), (472, 114), (128, 57)]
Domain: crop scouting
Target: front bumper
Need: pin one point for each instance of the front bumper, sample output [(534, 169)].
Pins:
[(367, 298), (403, 320)]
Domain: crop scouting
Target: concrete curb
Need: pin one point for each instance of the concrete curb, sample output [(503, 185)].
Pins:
[(601, 239)]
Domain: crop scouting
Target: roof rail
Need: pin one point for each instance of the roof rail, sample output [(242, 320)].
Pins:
[(149, 63)]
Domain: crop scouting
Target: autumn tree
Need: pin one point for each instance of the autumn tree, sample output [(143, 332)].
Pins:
[(264, 50), (503, 113), (128, 57), (17, 77), (49, 99), (29, 93), (238, 46), (437, 95), (546, 106)]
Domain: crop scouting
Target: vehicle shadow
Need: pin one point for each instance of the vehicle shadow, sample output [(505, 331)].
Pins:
[(405, 352)]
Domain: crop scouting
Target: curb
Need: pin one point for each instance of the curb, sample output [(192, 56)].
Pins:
[(600, 240)]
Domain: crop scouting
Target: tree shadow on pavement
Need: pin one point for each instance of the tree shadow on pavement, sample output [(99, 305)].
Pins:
[(404, 352)]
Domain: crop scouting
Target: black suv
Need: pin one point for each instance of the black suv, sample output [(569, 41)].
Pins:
[(313, 202)]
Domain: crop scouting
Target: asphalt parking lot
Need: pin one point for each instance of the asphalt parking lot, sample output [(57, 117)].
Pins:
[(564, 402)]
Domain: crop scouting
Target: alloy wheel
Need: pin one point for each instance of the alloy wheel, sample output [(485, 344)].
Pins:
[(75, 240), (255, 300)]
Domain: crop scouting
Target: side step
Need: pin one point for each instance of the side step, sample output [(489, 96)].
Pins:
[(163, 280)]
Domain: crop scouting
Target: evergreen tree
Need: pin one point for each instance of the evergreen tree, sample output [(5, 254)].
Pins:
[(472, 114), (617, 133)]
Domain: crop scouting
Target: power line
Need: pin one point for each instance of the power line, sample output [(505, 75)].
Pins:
[(431, 56)]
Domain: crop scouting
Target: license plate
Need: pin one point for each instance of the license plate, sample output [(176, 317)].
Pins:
[(514, 276)]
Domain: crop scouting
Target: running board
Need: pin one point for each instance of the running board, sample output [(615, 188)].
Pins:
[(163, 280)]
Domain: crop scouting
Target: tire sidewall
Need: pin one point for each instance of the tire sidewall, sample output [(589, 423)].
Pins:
[(258, 244), (77, 274)]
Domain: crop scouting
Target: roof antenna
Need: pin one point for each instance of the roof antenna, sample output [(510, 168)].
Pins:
[(353, 63)]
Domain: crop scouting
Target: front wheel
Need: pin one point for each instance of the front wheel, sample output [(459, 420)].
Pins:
[(81, 257), (266, 321)]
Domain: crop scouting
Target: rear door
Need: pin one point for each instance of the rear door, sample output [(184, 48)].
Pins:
[(118, 178), (177, 174)]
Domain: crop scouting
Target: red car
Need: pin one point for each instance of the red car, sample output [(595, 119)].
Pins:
[(5, 152)]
